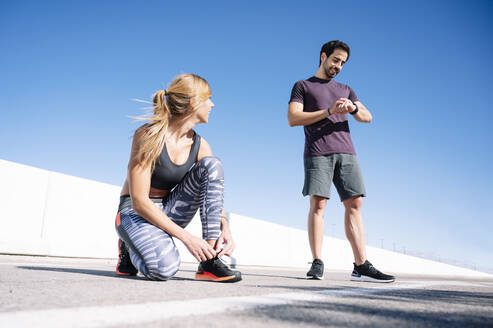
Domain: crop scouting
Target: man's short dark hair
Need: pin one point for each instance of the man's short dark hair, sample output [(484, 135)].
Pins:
[(330, 46)]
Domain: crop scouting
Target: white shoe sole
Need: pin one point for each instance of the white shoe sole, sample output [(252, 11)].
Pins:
[(314, 277), (369, 279)]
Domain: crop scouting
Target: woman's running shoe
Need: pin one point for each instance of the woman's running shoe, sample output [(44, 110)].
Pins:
[(124, 267), (216, 270)]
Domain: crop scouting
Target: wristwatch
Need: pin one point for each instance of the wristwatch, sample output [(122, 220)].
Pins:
[(354, 111)]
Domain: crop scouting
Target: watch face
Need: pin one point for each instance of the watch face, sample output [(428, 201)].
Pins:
[(355, 110)]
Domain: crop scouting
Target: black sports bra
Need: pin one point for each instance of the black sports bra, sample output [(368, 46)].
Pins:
[(167, 174)]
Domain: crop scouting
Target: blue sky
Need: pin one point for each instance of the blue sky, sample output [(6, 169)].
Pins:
[(70, 69)]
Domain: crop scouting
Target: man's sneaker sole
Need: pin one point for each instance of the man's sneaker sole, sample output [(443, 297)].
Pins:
[(211, 277), (314, 277), (364, 278)]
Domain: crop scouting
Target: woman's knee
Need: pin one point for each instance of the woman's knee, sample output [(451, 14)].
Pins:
[(213, 165), (163, 273), (166, 261), (165, 268)]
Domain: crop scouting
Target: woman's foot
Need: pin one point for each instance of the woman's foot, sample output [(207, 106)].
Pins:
[(124, 267), (216, 270)]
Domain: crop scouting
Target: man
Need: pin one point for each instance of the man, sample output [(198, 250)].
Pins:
[(321, 105)]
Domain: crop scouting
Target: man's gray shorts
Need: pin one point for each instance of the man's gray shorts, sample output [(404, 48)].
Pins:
[(342, 169)]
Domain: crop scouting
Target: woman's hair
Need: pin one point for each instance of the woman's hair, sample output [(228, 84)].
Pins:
[(175, 101)]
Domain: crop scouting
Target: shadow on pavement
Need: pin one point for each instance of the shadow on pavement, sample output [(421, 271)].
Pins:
[(389, 308), (243, 274), (275, 276), (104, 273), (315, 289)]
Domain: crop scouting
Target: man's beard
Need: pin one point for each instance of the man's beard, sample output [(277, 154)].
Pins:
[(329, 74)]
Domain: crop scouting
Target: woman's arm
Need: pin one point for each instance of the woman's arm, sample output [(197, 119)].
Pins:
[(139, 179), (225, 237), (204, 150)]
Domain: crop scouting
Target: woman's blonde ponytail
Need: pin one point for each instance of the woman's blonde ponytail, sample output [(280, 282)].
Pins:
[(154, 132), (175, 101)]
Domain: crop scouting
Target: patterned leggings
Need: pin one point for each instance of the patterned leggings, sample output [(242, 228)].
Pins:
[(153, 251)]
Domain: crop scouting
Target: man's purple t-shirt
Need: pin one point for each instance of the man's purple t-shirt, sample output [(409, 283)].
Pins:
[(330, 135)]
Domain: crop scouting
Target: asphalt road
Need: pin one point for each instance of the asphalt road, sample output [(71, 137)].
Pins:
[(62, 292)]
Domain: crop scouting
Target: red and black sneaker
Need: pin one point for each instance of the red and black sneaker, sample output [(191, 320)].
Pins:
[(216, 270), (124, 267)]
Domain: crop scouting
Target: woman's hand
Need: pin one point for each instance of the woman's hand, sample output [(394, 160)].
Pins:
[(199, 248), (225, 238)]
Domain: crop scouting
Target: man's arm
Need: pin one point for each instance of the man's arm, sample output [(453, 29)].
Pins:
[(296, 115), (363, 115)]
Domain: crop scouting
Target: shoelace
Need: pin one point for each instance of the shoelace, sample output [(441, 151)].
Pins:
[(372, 269), (218, 260), (221, 264)]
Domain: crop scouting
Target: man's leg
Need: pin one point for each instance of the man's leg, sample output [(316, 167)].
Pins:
[(316, 225), (318, 177), (349, 184), (355, 233), (354, 227)]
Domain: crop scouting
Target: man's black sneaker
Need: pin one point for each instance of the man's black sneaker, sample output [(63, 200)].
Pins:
[(367, 272), (216, 270), (316, 271), (124, 267)]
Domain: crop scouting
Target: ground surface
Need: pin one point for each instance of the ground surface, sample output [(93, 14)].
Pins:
[(61, 292)]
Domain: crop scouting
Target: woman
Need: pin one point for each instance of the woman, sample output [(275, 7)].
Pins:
[(171, 174)]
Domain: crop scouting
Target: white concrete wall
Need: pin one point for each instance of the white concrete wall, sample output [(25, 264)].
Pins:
[(48, 213)]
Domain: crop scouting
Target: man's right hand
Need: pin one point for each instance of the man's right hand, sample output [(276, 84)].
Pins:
[(199, 248), (339, 107)]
